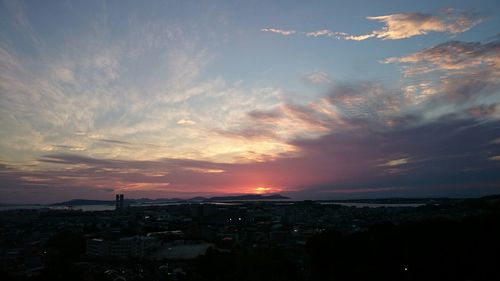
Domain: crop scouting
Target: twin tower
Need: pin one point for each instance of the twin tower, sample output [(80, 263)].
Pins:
[(119, 202)]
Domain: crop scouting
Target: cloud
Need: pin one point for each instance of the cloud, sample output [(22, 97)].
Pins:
[(115, 141), (255, 133), (359, 37), (345, 105), (307, 117), (396, 162), (365, 99), (466, 73), (402, 26), (326, 33), (454, 56), (124, 103), (484, 111), (406, 25), (319, 77), (458, 157), (186, 122), (138, 90), (359, 136), (439, 159), (262, 115), (64, 75), (279, 31), (20, 21), (286, 122), (69, 147)]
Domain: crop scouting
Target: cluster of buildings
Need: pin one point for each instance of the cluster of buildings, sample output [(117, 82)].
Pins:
[(169, 236)]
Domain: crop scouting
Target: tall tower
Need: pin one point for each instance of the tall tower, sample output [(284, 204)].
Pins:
[(121, 201), (117, 202)]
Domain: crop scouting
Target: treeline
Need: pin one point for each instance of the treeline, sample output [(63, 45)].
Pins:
[(433, 249)]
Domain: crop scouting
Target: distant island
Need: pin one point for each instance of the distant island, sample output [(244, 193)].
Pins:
[(244, 197), (270, 197)]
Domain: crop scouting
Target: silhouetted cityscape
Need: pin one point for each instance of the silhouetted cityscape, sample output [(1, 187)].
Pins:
[(384, 239)]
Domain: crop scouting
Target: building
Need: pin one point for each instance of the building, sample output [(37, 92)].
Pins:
[(136, 246), (119, 202)]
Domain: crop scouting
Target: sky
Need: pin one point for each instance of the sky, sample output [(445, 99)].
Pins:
[(309, 99)]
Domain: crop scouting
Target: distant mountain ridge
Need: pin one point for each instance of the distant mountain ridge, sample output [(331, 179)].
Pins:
[(250, 197), (244, 197)]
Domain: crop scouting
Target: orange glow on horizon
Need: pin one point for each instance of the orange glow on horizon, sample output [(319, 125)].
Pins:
[(258, 189), (261, 190), (265, 190)]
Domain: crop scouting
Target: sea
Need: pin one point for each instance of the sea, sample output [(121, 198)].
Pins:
[(85, 208), (374, 205), (108, 207)]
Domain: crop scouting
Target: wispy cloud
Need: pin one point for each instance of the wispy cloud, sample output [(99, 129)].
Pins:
[(319, 77), (452, 56), (186, 122), (467, 73), (406, 25), (279, 31), (105, 102), (147, 111), (326, 33), (358, 37), (396, 162), (401, 26), (342, 159), (268, 116)]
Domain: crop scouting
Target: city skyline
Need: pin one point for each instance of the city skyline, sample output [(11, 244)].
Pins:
[(312, 100)]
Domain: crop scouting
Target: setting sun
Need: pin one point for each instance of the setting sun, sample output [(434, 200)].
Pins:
[(265, 189), (261, 189)]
